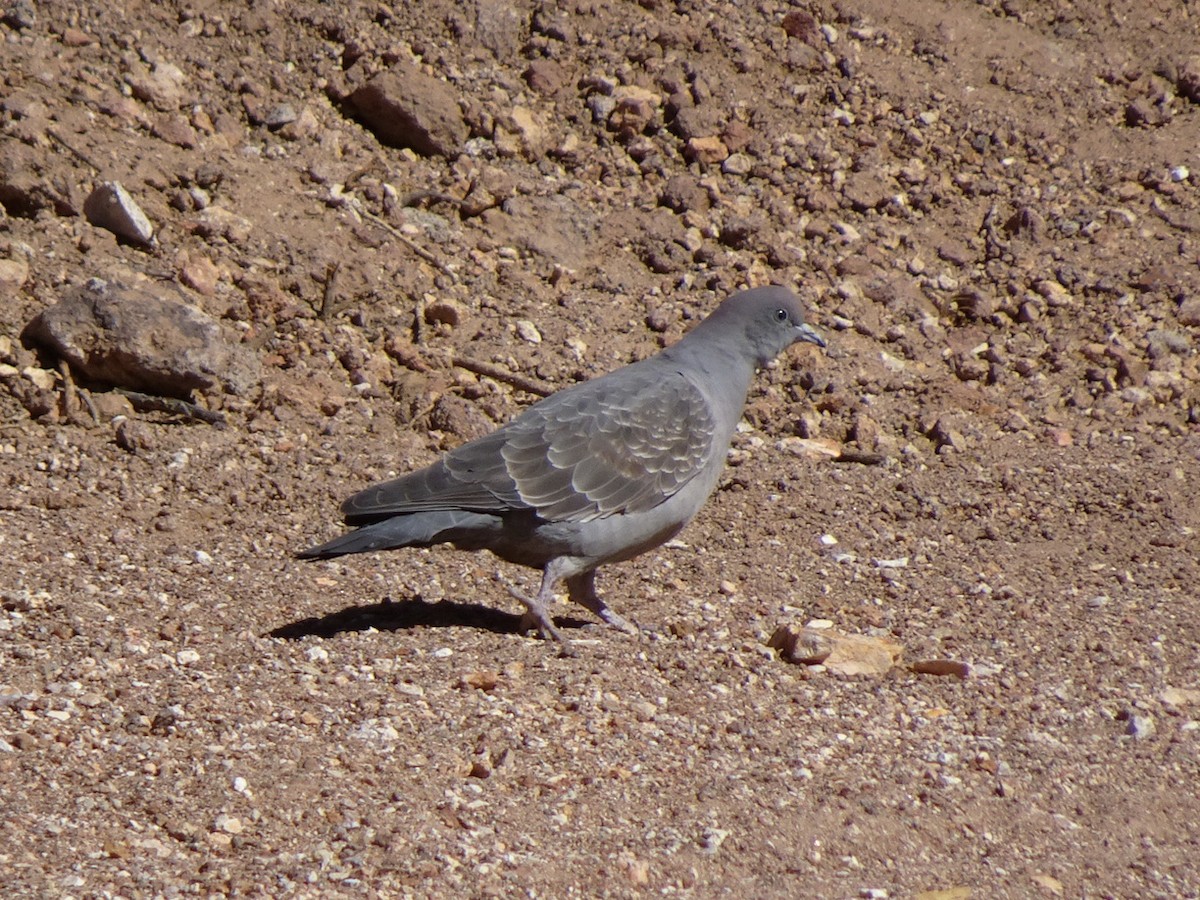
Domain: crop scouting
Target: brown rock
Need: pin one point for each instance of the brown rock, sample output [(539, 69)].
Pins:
[(444, 312), (162, 86), (216, 222), (14, 272), (522, 133), (810, 646), (941, 667), (199, 273), (407, 108), (841, 654), (804, 27), (867, 190), (73, 37), (134, 436), (945, 433), (698, 121), (1189, 311), (706, 150), (545, 76), (683, 193), (459, 419), (151, 341), (176, 130), (1188, 82)]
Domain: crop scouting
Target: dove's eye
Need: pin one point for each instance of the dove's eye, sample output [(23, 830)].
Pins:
[(781, 315)]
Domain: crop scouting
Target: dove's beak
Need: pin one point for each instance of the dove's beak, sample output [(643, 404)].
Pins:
[(807, 333)]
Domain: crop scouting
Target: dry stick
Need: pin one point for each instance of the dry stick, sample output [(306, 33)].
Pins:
[(419, 322), (488, 370), (78, 154), (149, 402), (862, 457), (521, 382), (72, 395), (410, 244), (1173, 221), (412, 359), (417, 196), (327, 298), (86, 397)]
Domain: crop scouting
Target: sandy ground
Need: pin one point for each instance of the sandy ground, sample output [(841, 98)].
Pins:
[(991, 210)]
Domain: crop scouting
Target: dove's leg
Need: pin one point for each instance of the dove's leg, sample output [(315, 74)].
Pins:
[(537, 608), (582, 589)]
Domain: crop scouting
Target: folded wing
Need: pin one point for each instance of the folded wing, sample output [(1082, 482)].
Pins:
[(601, 448)]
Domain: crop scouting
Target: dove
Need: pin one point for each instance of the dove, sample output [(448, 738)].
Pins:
[(597, 473)]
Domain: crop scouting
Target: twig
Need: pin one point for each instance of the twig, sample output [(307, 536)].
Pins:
[(327, 298), (409, 243), (411, 358), (862, 457), (78, 154), (73, 397), (488, 370), (1174, 221), (70, 396), (419, 322), (151, 403), (417, 196), (86, 397)]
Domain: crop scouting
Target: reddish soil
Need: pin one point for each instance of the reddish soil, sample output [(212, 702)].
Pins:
[(992, 211)]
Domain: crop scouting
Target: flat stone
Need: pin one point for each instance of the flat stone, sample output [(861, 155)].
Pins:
[(405, 107), (144, 339), (110, 206)]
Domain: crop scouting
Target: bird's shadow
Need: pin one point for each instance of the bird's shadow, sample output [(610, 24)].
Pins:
[(414, 612)]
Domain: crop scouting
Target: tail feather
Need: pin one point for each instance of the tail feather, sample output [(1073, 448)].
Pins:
[(423, 529)]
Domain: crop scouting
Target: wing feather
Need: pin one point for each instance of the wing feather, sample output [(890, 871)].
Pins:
[(627, 446), (604, 447)]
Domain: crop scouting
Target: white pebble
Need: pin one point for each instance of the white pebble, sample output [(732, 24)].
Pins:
[(528, 332), (1180, 173)]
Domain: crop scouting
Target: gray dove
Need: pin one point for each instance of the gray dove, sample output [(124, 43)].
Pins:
[(597, 473)]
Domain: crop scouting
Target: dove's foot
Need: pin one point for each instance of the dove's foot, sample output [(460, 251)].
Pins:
[(536, 615), (616, 621), (582, 589)]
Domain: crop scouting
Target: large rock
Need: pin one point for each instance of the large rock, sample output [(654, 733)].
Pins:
[(145, 340), (405, 107)]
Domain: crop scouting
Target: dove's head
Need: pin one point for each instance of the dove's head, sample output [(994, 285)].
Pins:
[(770, 319)]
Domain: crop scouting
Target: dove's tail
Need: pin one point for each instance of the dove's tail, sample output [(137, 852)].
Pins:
[(422, 529)]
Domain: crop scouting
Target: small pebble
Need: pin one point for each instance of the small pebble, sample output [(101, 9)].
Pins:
[(528, 332), (317, 654), (1139, 727)]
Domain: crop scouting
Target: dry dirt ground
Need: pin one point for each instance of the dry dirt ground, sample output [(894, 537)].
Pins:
[(993, 211)]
